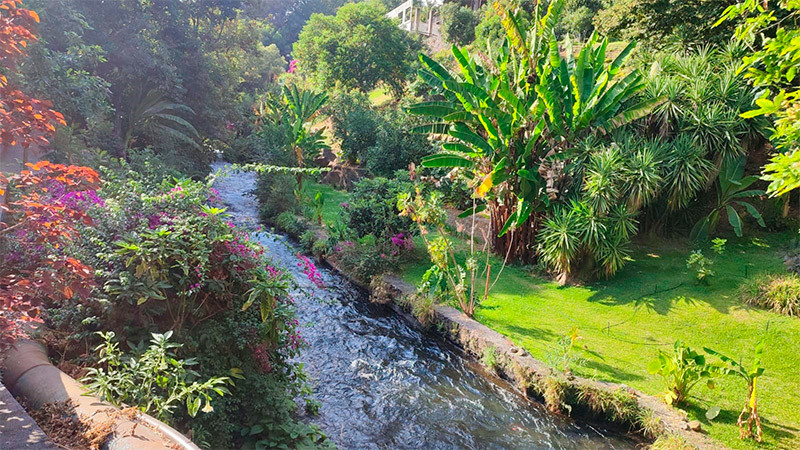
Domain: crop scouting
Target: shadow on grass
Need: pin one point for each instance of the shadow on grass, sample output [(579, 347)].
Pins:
[(607, 371), (535, 333), (781, 436)]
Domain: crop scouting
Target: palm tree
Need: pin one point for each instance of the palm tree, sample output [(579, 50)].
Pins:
[(153, 113)]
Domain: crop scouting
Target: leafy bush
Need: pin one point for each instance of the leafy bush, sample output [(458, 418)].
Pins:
[(307, 240), (354, 123), (458, 23), (396, 146), (291, 224), (276, 195), (319, 249), (364, 259), (372, 209), (681, 370), (155, 381), (776, 292)]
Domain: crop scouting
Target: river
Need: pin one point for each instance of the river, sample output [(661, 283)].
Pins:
[(384, 384)]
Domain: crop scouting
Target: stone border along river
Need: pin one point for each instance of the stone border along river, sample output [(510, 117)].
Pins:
[(384, 384)]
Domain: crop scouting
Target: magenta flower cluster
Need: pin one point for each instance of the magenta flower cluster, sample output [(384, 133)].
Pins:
[(310, 270), (213, 196), (403, 241)]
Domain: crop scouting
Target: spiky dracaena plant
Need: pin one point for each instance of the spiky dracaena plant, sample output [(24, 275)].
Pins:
[(687, 172)]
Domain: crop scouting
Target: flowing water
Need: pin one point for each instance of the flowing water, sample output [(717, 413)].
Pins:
[(383, 384)]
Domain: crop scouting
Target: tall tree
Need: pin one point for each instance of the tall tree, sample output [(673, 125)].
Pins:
[(357, 48)]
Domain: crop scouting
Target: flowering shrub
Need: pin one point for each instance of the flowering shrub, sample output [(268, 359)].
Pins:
[(46, 205), (167, 257)]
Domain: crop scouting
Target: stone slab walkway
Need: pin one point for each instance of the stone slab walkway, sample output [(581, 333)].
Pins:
[(17, 430)]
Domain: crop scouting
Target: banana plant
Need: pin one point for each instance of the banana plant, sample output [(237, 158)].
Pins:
[(732, 188), (295, 112), (510, 120), (749, 418)]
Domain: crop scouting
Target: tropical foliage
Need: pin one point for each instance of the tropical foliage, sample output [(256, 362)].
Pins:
[(292, 115), (732, 189), (773, 67), (514, 123)]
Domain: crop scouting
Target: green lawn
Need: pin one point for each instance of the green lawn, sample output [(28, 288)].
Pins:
[(332, 200), (380, 96), (649, 304)]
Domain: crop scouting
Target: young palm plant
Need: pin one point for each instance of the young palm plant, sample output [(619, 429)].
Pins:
[(749, 421), (154, 113)]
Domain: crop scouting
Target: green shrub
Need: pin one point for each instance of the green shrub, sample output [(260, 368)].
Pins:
[(396, 146), (276, 195), (291, 224), (320, 248), (776, 292), (263, 404), (364, 259), (372, 209), (354, 123), (458, 23), (307, 240), (156, 381)]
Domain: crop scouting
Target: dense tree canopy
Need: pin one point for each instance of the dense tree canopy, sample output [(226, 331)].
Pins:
[(357, 49), (656, 21)]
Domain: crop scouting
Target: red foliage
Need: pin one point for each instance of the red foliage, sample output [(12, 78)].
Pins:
[(23, 120), (45, 222)]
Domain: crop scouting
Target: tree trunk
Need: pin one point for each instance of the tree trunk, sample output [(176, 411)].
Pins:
[(519, 244)]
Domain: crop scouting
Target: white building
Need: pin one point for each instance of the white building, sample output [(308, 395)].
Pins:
[(409, 13)]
